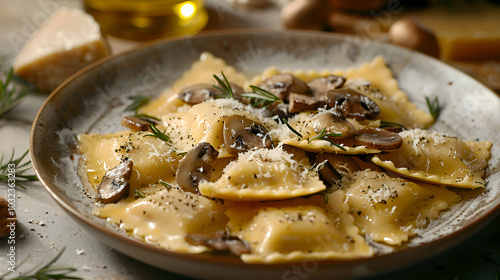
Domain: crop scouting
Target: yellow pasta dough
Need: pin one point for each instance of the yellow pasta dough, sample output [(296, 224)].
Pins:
[(390, 210), (438, 159), (264, 174)]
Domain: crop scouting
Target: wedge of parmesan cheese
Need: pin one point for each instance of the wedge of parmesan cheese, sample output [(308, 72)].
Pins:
[(69, 40)]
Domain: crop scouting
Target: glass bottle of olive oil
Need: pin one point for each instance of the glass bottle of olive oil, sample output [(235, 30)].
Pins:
[(148, 19)]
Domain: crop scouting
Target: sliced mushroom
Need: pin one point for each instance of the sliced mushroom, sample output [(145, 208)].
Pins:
[(321, 85), (301, 102), (114, 185), (198, 93), (219, 241), (335, 166), (354, 104), (242, 134), (136, 123), (282, 85), (237, 92), (335, 122), (197, 165), (378, 138)]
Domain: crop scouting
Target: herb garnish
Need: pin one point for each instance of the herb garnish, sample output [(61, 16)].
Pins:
[(20, 169), (182, 153), (391, 124), (10, 94), (166, 185), (324, 136), (434, 107), (158, 134), (264, 97), (148, 118), (137, 102), (225, 86), (47, 271), (138, 193), (291, 128)]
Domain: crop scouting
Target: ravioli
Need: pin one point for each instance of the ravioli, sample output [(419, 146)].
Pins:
[(438, 159), (293, 230), (204, 122), (263, 174), (309, 127), (153, 159), (391, 210), (164, 218), (201, 71), (373, 79)]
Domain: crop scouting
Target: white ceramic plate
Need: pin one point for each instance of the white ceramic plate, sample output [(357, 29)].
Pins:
[(93, 101)]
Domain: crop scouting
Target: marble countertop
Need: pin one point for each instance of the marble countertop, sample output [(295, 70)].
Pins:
[(44, 229)]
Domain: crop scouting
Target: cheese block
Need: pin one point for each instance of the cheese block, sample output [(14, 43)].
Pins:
[(69, 40), (464, 29)]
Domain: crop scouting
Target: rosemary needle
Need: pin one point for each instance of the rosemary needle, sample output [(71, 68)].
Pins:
[(18, 169), (155, 132), (10, 93)]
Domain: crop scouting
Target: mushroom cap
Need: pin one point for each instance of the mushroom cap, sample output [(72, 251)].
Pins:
[(282, 85), (378, 138), (319, 86), (197, 165), (114, 185), (352, 103), (335, 166), (198, 93), (242, 134)]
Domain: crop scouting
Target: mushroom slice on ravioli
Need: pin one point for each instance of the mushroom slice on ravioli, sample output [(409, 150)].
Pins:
[(310, 127), (438, 159), (391, 210), (263, 174), (295, 230), (164, 218), (204, 122)]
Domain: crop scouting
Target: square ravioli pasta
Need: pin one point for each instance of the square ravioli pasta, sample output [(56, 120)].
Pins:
[(281, 167)]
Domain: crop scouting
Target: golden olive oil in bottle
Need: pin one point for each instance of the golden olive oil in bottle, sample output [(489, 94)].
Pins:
[(148, 19)]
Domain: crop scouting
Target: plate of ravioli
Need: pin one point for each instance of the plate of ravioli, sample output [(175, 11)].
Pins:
[(250, 153)]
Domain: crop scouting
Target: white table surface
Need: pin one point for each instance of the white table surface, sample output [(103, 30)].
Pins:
[(44, 228)]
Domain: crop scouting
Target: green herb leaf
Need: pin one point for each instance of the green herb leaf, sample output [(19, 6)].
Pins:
[(11, 93), (434, 107), (324, 136), (391, 124), (263, 97), (182, 153), (158, 134), (19, 172), (166, 185), (138, 193), (137, 102), (291, 128), (147, 118), (225, 86)]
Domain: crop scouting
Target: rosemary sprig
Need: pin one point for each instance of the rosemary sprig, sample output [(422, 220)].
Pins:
[(434, 107), (166, 185), (137, 102), (155, 132), (148, 118), (324, 136), (19, 169), (47, 272), (225, 86), (182, 154), (10, 94), (264, 98), (138, 193), (391, 124), (291, 128)]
